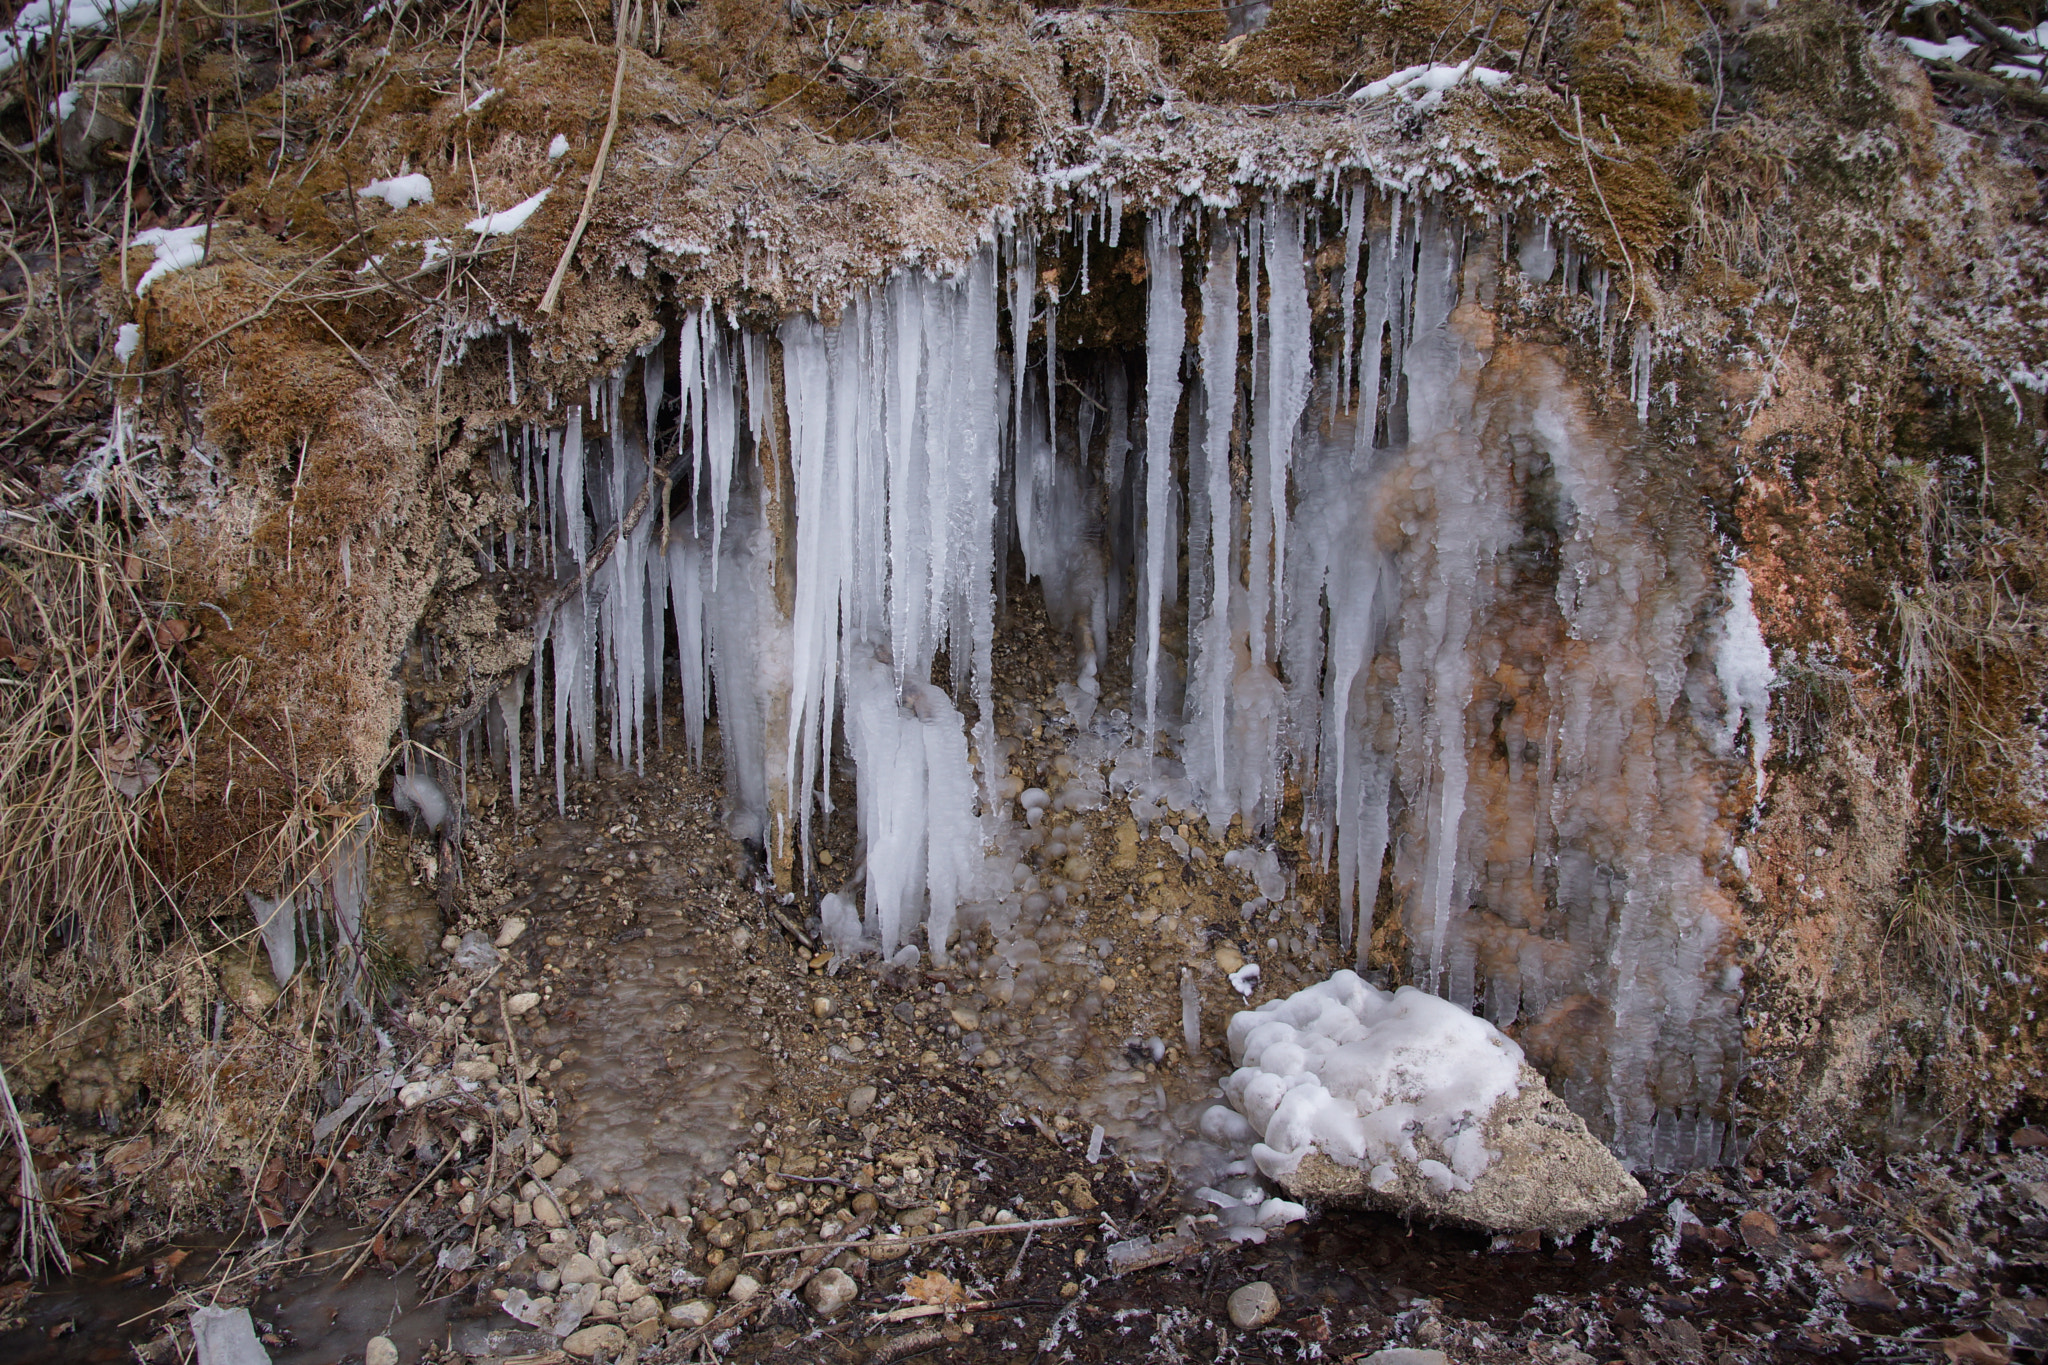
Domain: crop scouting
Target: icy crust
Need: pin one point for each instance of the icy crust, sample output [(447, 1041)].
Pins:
[(1358, 1074), (1403, 1101)]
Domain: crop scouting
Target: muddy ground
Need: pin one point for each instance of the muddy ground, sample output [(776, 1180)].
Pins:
[(696, 1105)]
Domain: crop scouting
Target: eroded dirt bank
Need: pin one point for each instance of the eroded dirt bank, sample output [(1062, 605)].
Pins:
[(272, 565)]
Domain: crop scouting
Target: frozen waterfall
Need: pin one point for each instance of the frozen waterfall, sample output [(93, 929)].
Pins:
[(1380, 564)]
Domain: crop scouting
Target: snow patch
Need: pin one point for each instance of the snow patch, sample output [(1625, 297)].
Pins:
[(1355, 1073), (1424, 86), (507, 220), (176, 249), (400, 192), (127, 342), (559, 148), (37, 23)]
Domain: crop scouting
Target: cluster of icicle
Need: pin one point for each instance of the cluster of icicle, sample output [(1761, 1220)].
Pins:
[(1355, 524)]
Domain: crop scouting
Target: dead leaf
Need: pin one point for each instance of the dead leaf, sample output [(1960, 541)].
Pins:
[(1866, 1290), (131, 1157), (1760, 1233), (173, 632), (1968, 1349), (933, 1287), (46, 1133), (13, 1292), (131, 566)]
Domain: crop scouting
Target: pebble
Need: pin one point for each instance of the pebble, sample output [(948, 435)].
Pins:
[(581, 1269), (822, 1006), (509, 932), (1229, 959), (521, 1003), (829, 1291), (546, 1212), (744, 1287), (860, 1101), (1254, 1305), (380, 1351), (721, 1277), (606, 1339), (693, 1313)]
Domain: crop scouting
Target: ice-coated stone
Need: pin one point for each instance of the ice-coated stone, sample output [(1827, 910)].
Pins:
[(1404, 1102), (225, 1336), (1550, 1174), (380, 1351)]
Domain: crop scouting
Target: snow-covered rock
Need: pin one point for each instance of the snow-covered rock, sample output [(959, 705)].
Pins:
[(1404, 1102)]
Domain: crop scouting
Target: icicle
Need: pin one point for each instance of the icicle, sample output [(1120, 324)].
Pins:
[(1354, 235), (511, 374), (511, 700), (1214, 658), (1640, 366), (1288, 373), (1165, 333)]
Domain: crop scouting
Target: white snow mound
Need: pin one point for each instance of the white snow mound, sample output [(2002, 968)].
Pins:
[(176, 249), (400, 191), (1353, 1072), (507, 220)]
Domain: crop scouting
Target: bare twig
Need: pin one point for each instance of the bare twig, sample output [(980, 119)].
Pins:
[(992, 1230), (36, 1239), (604, 151)]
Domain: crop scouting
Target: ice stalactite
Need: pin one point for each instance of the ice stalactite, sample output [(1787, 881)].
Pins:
[(895, 422), (1165, 332)]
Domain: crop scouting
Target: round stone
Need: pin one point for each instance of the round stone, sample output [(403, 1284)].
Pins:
[(603, 1341), (1254, 1305), (829, 1291), (380, 1351)]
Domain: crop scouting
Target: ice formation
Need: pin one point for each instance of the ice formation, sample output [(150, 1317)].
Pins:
[(1364, 548), (1355, 1073)]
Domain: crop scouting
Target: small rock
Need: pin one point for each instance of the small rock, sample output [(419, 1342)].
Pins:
[(744, 1287), (1254, 1305), (1229, 959), (865, 1202), (510, 932), (887, 1249), (969, 1020), (2029, 1137), (860, 1101), (380, 1351), (693, 1313), (606, 1339), (546, 1165), (519, 1004), (829, 1291), (641, 1309), (721, 1277), (822, 1006), (547, 1212), (580, 1269)]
